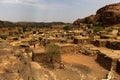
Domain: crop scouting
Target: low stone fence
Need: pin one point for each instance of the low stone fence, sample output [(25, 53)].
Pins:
[(109, 61), (81, 40), (113, 45), (38, 55), (100, 43), (104, 61), (118, 66), (68, 49)]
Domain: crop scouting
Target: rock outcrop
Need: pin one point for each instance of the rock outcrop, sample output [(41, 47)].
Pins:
[(88, 20), (107, 15)]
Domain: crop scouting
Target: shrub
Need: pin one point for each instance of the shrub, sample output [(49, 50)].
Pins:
[(3, 37), (67, 28), (97, 28), (53, 54)]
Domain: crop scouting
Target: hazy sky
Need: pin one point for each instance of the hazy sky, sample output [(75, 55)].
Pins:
[(49, 10)]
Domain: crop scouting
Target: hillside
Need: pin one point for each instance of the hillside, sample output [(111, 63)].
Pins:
[(29, 24), (107, 16)]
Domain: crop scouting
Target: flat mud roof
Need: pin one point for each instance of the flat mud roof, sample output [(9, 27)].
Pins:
[(114, 54)]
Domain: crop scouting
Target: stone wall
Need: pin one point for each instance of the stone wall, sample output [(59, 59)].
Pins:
[(118, 67), (38, 57), (100, 43), (68, 49), (81, 41), (108, 63), (104, 61), (113, 45)]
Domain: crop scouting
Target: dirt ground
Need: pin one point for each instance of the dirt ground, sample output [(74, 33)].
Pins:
[(79, 67), (93, 68)]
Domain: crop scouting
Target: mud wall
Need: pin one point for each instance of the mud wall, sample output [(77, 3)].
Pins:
[(69, 49), (82, 41), (39, 57), (104, 61), (100, 43), (113, 45), (118, 67)]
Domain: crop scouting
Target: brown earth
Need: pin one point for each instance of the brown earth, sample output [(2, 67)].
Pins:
[(88, 61)]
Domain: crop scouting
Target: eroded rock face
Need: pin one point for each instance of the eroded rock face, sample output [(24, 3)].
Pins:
[(107, 15), (88, 20)]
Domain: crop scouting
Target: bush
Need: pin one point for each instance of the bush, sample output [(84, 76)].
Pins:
[(97, 28), (53, 54), (67, 28), (3, 37)]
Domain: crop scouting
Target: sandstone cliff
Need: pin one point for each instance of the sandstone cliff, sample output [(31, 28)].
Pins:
[(107, 15)]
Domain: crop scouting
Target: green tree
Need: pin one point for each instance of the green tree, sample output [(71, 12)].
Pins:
[(53, 54), (67, 28)]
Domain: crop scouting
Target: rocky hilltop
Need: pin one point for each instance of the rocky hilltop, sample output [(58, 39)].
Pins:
[(107, 15)]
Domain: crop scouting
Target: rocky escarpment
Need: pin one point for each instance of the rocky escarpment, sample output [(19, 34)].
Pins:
[(89, 19), (107, 15)]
